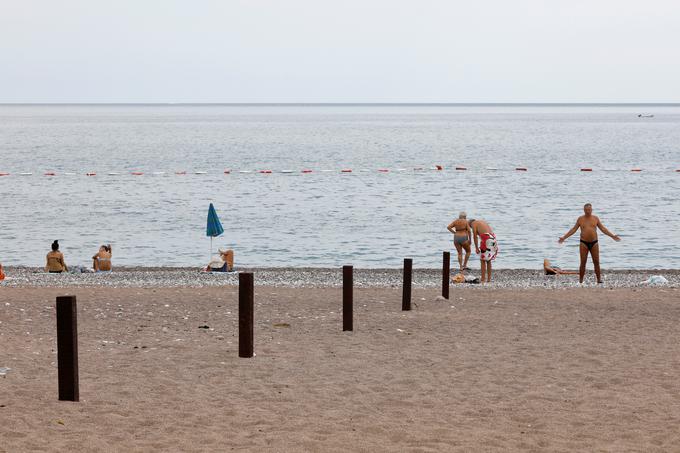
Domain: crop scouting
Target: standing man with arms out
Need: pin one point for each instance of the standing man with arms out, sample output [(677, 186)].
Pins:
[(487, 251), (588, 223)]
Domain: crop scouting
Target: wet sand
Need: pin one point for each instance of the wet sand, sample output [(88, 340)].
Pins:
[(590, 369)]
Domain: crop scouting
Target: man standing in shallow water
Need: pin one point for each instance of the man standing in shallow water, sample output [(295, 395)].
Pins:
[(588, 223)]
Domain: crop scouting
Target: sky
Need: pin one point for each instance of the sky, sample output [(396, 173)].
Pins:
[(339, 51)]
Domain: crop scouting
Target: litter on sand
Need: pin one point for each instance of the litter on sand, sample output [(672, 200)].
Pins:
[(655, 280)]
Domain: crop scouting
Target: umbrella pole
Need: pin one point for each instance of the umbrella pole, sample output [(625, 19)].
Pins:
[(210, 249)]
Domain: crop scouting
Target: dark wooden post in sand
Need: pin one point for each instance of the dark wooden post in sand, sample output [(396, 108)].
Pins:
[(67, 348), (408, 278), (446, 268), (245, 314), (347, 298)]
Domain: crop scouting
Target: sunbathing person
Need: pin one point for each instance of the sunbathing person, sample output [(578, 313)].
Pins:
[(549, 269), (461, 239), (101, 261), (223, 263), (55, 260)]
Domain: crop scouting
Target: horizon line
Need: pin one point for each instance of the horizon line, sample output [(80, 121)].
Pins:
[(355, 104)]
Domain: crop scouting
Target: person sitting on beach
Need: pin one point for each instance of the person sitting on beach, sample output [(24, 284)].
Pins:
[(55, 260), (101, 261), (461, 239), (223, 263), (2, 273), (549, 269), (589, 223), (488, 249)]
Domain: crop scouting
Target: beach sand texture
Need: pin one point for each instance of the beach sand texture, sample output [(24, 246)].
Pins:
[(495, 370)]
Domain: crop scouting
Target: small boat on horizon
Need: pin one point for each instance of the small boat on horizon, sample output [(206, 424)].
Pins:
[(645, 115)]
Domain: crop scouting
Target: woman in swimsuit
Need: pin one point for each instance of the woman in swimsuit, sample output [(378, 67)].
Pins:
[(101, 261), (55, 260), (461, 239)]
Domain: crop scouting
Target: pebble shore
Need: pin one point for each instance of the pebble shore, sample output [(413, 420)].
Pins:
[(141, 277)]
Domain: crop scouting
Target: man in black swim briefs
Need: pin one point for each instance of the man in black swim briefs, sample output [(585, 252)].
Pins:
[(588, 223)]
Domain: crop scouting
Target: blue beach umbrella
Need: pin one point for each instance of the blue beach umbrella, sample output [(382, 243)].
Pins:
[(214, 227)]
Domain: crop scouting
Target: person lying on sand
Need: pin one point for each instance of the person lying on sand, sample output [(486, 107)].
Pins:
[(549, 269), (589, 223), (223, 263), (101, 261), (55, 260), (461, 239)]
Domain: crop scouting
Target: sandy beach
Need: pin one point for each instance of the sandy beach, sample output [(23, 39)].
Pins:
[(498, 369)]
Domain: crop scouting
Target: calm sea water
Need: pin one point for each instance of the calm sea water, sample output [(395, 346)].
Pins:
[(365, 218)]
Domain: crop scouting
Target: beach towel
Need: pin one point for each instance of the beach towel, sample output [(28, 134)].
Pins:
[(488, 246)]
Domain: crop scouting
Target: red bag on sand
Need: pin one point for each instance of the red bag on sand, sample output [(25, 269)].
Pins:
[(2, 274)]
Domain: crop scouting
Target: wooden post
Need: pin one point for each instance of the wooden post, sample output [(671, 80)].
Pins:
[(347, 298), (67, 348), (408, 278), (446, 269), (245, 314)]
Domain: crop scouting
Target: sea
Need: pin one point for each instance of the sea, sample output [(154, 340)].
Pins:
[(279, 177)]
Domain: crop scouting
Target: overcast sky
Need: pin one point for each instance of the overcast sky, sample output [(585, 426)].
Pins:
[(339, 51)]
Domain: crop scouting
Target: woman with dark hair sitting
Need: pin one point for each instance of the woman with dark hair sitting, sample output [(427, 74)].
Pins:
[(101, 261), (55, 260)]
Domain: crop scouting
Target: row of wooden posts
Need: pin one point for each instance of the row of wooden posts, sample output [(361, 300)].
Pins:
[(67, 321)]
